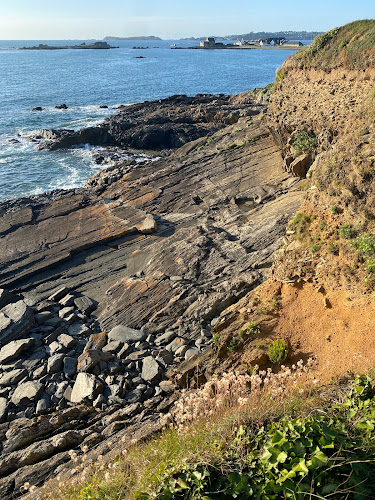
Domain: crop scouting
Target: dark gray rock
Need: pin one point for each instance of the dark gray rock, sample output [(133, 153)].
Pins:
[(85, 305), (41, 317), (14, 349), (70, 366), (55, 363), (15, 320), (43, 404), (151, 370), (59, 294), (125, 334), (67, 301), (7, 298), (34, 360), (67, 341), (114, 347), (27, 392), (167, 337), (12, 377)]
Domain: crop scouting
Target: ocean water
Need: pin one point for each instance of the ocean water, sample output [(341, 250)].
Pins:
[(86, 79)]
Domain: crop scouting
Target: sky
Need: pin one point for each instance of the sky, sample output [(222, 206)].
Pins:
[(171, 19)]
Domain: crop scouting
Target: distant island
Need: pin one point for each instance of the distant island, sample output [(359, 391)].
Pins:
[(288, 35), (132, 38), (95, 45)]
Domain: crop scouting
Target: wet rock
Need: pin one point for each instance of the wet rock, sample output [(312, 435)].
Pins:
[(151, 370), (15, 320), (85, 386), (27, 392), (37, 108), (61, 106), (125, 334), (14, 349)]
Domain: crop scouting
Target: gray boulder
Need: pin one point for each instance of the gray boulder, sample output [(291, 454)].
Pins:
[(125, 334), (85, 386), (151, 370), (70, 366), (14, 349), (6, 298), (55, 363), (15, 320), (3, 409), (12, 377), (27, 392), (85, 305), (43, 404)]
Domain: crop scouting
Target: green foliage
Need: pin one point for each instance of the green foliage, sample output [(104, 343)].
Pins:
[(346, 231), (301, 223), (334, 248), (278, 351), (315, 247), (253, 328), (304, 142), (335, 209), (215, 338), (233, 345), (350, 46), (365, 244), (280, 75), (329, 455)]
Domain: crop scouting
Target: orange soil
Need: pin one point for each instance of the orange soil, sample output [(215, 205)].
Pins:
[(335, 326)]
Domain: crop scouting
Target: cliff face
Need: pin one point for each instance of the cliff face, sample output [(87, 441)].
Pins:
[(321, 114)]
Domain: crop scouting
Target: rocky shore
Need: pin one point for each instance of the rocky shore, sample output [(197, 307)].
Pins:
[(111, 290)]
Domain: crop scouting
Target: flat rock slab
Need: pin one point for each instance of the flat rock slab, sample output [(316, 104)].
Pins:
[(125, 334), (14, 349), (12, 377), (85, 305), (16, 319), (27, 393)]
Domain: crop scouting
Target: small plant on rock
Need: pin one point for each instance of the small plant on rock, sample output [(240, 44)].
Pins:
[(278, 351), (304, 142), (215, 338), (346, 231), (233, 345)]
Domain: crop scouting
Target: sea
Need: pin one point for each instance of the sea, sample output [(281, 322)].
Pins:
[(84, 80)]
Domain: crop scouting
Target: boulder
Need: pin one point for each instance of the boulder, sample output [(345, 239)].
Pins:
[(15, 320), (148, 226), (151, 370), (85, 305), (300, 165), (85, 386), (88, 359), (27, 393), (43, 404), (7, 298), (70, 366), (66, 340), (12, 377), (96, 341), (125, 334), (14, 349), (3, 409), (55, 363)]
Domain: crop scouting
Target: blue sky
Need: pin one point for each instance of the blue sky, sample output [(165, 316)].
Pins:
[(84, 19)]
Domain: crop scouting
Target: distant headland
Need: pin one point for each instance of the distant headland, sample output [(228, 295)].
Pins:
[(132, 38), (95, 45)]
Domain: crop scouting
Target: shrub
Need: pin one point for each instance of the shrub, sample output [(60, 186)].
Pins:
[(346, 231), (253, 328), (365, 244), (304, 142), (334, 247), (233, 344), (215, 338), (278, 351)]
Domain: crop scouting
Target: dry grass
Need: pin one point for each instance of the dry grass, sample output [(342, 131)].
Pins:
[(204, 423)]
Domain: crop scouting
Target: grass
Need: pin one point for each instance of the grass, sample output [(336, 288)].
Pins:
[(307, 443), (203, 442), (351, 46)]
